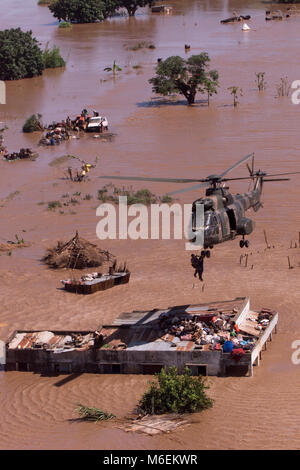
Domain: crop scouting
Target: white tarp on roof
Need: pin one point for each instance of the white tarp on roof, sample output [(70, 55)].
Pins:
[(44, 337), (16, 340)]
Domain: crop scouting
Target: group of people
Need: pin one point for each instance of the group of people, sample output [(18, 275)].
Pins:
[(82, 120), (61, 131), (22, 154), (57, 135)]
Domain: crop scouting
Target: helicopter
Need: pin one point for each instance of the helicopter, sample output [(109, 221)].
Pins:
[(224, 213)]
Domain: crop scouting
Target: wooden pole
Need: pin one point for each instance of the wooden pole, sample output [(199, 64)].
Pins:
[(266, 239)]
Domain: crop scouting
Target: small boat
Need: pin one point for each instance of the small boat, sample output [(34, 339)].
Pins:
[(245, 27), (234, 18), (95, 282)]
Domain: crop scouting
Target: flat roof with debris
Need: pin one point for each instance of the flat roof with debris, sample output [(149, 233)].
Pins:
[(149, 330), (51, 340)]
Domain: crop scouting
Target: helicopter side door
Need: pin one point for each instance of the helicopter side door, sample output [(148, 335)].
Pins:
[(225, 226), (231, 214), (213, 230)]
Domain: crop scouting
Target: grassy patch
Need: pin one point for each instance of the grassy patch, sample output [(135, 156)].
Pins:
[(19, 241), (142, 196), (140, 45), (93, 414), (52, 205), (64, 24)]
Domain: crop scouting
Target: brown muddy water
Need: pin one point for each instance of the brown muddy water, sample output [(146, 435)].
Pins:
[(153, 139)]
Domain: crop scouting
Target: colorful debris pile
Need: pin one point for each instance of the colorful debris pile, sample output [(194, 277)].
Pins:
[(214, 330)]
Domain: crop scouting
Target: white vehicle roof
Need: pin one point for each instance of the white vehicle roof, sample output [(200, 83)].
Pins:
[(95, 119)]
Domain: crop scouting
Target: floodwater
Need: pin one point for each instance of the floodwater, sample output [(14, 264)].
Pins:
[(153, 138)]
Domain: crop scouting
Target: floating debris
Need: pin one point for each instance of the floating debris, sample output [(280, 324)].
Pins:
[(23, 154), (153, 424)]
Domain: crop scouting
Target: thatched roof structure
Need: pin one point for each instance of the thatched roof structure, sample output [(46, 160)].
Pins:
[(77, 253)]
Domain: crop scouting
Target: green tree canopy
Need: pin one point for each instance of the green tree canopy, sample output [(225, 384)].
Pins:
[(132, 5), (20, 55), (186, 77), (83, 11)]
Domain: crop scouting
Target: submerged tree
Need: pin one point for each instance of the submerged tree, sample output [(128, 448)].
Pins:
[(83, 11), (210, 85), (283, 88), (186, 77), (235, 91), (20, 55), (260, 80), (132, 5)]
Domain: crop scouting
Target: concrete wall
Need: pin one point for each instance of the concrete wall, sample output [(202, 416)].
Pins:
[(2, 355), (133, 361), (95, 360)]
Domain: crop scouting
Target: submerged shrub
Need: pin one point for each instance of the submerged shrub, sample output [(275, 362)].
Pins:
[(52, 205), (52, 58), (33, 123), (65, 24), (173, 393)]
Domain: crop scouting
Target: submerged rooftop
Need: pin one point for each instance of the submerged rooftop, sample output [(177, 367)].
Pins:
[(216, 338)]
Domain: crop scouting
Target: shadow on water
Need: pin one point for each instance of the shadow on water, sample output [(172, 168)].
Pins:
[(160, 102), (53, 23), (67, 379)]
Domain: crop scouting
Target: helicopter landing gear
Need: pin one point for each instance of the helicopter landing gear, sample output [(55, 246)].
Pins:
[(205, 253), (245, 243)]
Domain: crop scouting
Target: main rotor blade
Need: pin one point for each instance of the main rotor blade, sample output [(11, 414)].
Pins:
[(159, 180), (282, 174), (263, 176), (197, 186), (237, 164), (278, 179)]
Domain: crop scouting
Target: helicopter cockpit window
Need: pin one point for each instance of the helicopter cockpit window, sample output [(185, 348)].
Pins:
[(210, 219), (207, 219)]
